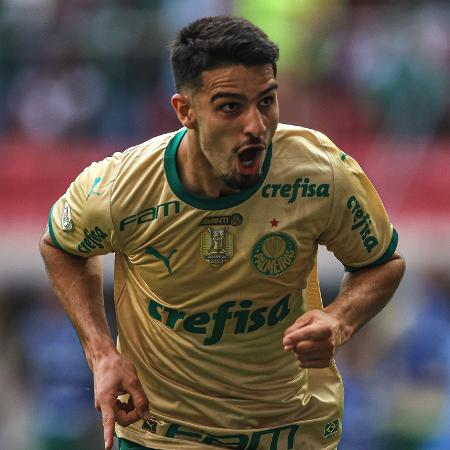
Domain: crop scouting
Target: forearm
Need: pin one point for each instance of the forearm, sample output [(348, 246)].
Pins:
[(364, 294), (78, 284)]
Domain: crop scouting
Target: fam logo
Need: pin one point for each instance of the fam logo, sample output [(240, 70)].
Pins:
[(274, 253), (279, 438), (149, 214)]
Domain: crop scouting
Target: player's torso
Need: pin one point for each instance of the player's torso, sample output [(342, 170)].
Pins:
[(209, 286), (220, 277), (250, 246)]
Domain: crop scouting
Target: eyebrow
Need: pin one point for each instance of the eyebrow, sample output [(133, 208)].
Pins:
[(241, 96)]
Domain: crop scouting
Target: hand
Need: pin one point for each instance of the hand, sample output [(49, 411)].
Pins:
[(314, 338), (114, 376)]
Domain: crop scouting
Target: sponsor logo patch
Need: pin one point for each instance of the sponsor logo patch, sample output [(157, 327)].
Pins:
[(274, 253), (278, 438), (239, 316), (149, 214), (302, 187), (361, 220), (235, 220), (92, 239)]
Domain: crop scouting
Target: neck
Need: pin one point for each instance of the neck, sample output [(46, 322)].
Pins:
[(195, 172)]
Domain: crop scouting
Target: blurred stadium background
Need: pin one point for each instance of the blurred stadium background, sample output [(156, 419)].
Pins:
[(81, 79)]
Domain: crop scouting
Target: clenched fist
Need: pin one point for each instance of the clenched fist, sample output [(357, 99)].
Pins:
[(314, 338)]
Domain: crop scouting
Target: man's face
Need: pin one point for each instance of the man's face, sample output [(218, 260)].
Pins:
[(236, 115)]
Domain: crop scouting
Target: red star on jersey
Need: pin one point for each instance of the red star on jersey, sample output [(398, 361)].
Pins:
[(274, 222)]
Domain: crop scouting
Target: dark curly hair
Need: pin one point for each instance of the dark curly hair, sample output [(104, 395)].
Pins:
[(218, 41)]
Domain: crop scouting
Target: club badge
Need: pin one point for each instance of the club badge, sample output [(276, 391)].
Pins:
[(274, 253)]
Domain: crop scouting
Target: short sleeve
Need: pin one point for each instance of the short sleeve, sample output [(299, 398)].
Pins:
[(358, 230), (80, 221)]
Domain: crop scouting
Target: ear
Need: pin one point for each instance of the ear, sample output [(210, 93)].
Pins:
[(181, 103)]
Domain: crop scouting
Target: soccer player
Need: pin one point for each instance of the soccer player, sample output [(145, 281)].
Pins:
[(222, 341)]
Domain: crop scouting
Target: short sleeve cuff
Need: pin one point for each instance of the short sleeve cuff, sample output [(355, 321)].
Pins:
[(52, 232), (384, 258)]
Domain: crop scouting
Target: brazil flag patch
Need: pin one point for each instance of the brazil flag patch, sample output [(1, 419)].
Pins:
[(331, 428)]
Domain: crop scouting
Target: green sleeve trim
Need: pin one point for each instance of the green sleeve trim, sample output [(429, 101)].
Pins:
[(52, 233), (386, 256)]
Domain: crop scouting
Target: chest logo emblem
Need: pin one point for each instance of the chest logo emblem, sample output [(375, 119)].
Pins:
[(165, 259), (274, 253), (216, 245)]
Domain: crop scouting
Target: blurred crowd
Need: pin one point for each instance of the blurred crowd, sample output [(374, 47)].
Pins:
[(396, 372), (97, 70)]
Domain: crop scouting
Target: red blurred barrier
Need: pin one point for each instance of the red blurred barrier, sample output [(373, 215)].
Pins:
[(413, 179), (33, 175)]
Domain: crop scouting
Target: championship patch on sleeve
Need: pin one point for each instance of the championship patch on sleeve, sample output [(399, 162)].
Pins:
[(66, 219)]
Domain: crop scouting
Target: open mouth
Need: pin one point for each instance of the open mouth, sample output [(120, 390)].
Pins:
[(249, 158)]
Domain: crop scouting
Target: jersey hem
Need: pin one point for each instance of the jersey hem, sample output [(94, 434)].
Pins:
[(384, 258), (167, 444)]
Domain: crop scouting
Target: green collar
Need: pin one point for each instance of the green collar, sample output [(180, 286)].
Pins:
[(198, 201)]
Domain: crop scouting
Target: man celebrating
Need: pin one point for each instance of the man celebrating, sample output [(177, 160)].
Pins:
[(222, 342)]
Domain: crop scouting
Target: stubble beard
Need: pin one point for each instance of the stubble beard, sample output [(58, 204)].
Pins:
[(234, 181), (241, 182)]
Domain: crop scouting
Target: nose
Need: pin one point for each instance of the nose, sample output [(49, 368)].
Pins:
[(254, 123)]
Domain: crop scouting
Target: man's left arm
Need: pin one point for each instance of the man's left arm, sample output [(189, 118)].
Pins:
[(317, 334)]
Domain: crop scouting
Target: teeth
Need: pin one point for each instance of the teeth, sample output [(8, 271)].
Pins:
[(246, 163)]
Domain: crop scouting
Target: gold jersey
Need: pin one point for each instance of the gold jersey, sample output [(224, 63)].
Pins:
[(206, 287)]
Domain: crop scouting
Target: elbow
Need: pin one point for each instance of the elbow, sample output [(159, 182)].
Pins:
[(44, 244), (397, 268)]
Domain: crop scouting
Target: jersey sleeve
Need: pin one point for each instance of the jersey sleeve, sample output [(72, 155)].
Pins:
[(80, 221), (358, 230)]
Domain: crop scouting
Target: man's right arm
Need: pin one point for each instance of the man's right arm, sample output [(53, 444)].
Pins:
[(78, 284)]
